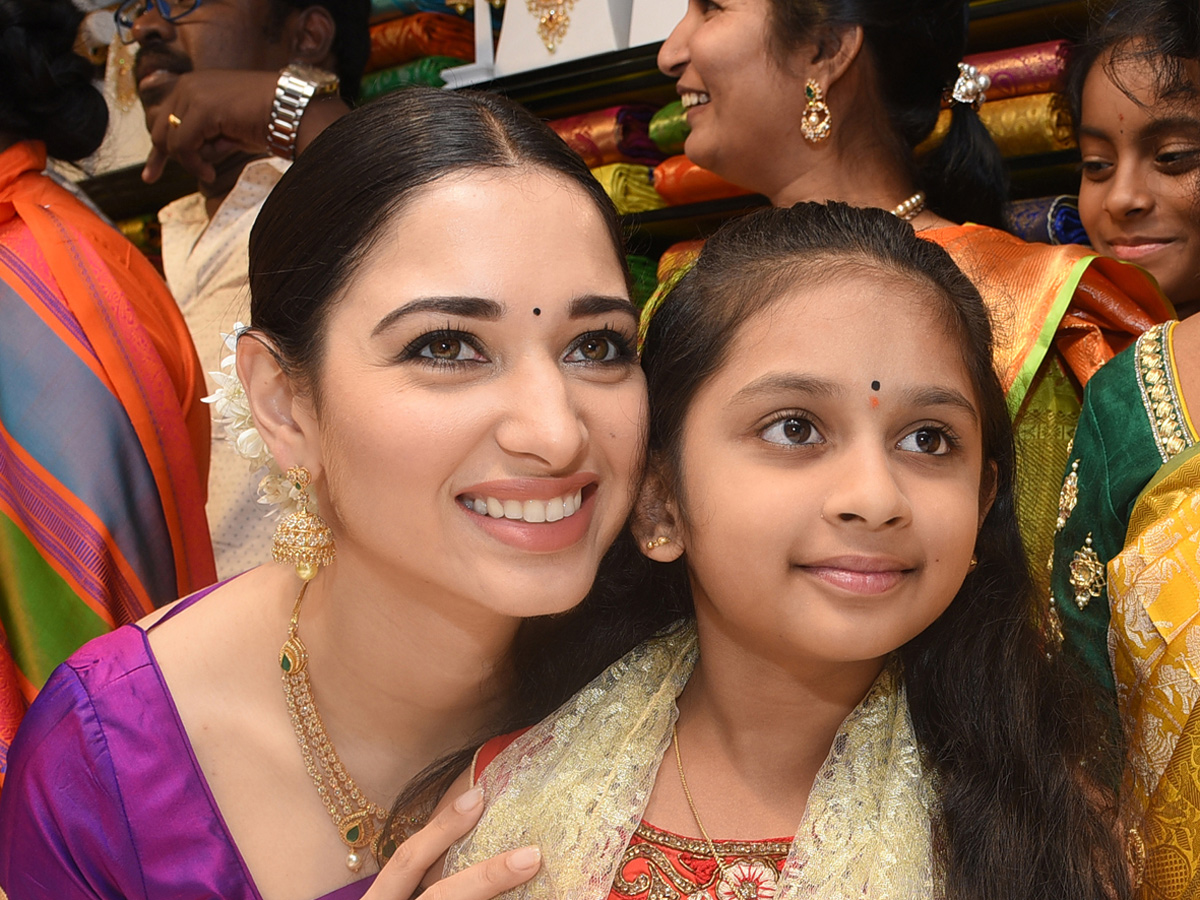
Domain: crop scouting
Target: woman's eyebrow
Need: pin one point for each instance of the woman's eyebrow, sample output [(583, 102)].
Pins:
[(464, 307), (599, 304)]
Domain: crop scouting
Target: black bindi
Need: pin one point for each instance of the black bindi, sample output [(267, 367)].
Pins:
[(874, 385), (536, 311)]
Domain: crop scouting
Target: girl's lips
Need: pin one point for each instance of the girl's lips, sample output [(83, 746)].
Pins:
[(856, 580)]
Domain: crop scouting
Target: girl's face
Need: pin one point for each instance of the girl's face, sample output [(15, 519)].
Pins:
[(831, 474), (1140, 193), (740, 102), (482, 414)]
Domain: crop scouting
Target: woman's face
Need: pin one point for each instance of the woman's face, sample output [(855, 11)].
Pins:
[(482, 410), (1139, 197), (831, 474), (743, 107)]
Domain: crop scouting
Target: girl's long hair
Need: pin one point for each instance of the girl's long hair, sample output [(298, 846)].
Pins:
[(1013, 737)]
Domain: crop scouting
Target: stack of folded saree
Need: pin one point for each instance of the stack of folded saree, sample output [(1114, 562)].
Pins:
[(403, 40), (1024, 111), (630, 186), (1021, 126), (645, 277), (382, 10), (669, 128), (425, 71), (680, 181), (612, 135), (1022, 71), (1047, 220)]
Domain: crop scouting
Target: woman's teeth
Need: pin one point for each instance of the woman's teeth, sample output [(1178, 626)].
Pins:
[(535, 511), (693, 98)]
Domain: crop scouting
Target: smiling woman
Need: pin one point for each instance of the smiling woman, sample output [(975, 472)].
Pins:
[(472, 460)]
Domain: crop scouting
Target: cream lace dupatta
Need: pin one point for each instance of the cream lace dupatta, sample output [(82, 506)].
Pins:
[(577, 784)]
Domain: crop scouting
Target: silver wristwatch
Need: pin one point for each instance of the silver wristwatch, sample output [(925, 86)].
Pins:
[(296, 86)]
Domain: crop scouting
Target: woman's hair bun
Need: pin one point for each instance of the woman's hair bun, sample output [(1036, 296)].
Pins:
[(48, 91)]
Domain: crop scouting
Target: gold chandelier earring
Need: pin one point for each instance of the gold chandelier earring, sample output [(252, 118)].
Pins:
[(303, 537), (815, 124)]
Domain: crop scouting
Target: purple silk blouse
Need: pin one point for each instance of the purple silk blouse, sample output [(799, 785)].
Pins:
[(104, 797)]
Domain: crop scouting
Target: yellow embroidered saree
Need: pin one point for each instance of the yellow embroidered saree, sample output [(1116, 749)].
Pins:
[(1154, 590)]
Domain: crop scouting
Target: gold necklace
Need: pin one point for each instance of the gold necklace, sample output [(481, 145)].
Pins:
[(745, 888), (554, 18), (359, 822), (909, 209)]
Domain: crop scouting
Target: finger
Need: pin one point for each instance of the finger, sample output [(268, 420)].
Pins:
[(186, 140), (404, 871), (490, 878), (155, 163)]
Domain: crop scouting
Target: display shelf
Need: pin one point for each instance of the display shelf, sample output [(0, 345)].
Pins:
[(629, 76), (650, 233), (121, 193)]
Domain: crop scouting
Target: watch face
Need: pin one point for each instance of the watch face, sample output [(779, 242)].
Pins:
[(323, 82)]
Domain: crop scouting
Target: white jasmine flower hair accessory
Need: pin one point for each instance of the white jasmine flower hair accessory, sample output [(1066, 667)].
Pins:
[(232, 412)]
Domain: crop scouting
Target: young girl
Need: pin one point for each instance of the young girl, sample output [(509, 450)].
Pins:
[(832, 486)]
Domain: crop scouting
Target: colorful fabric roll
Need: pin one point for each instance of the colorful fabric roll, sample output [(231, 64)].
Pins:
[(1021, 71), (382, 10), (669, 128), (1021, 126), (677, 256), (630, 186), (424, 34), (616, 134), (679, 181), (1048, 220), (425, 71), (645, 277)]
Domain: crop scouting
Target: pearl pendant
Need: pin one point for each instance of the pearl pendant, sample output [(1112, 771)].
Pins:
[(353, 861)]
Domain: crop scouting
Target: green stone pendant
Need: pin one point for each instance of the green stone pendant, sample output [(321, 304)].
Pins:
[(293, 656)]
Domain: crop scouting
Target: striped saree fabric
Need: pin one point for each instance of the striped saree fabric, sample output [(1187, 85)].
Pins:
[(103, 439)]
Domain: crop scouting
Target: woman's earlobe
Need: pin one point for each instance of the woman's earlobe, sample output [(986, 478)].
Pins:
[(279, 410)]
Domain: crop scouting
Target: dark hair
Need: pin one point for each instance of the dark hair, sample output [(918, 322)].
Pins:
[(314, 229), (915, 48), (1010, 735), (326, 212), (48, 93), (1161, 35), (351, 43)]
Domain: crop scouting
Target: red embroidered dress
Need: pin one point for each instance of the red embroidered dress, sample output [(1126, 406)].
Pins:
[(659, 865)]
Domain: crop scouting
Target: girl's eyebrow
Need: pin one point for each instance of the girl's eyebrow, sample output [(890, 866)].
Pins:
[(940, 396), (464, 307), (786, 382), (797, 383)]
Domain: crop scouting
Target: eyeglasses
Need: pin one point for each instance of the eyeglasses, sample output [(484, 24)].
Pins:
[(170, 10)]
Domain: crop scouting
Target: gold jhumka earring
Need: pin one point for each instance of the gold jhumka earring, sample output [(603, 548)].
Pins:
[(303, 537)]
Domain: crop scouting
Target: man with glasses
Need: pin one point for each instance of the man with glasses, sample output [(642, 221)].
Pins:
[(233, 89)]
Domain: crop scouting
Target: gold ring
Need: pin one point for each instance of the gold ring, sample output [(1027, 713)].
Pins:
[(174, 120)]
